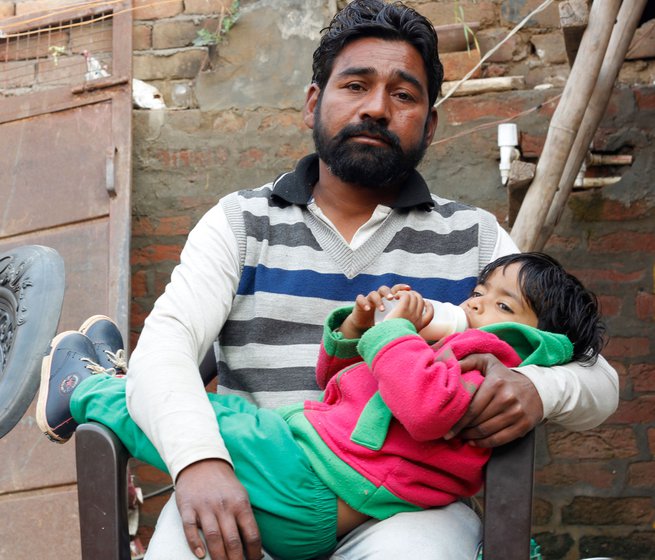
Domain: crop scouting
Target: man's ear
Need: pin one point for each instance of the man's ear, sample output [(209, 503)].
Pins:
[(310, 105), (431, 126)]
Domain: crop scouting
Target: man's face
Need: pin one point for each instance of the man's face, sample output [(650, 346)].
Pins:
[(372, 121)]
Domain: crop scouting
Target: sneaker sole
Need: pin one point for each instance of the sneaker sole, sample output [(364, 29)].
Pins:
[(91, 321), (41, 418)]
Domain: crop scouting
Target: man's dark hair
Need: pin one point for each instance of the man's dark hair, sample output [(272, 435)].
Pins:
[(560, 301), (373, 18)]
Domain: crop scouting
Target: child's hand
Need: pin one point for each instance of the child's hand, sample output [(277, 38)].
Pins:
[(362, 316), (411, 306)]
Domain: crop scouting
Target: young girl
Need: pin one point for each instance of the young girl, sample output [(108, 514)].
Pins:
[(374, 444)]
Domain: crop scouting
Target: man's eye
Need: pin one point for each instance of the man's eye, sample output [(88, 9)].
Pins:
[(355, 87), (404, 96)]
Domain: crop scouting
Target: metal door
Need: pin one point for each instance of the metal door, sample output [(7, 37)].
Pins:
[(65, 172)]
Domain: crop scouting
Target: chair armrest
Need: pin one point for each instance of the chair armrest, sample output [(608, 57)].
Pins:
[(508, 500), (101, 461)]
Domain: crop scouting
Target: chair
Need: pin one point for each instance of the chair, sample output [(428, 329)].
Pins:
[(102, 493), (31, 294)]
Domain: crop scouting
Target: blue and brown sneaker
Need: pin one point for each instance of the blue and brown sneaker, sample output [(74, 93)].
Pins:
[(108, 343), (70, 361)]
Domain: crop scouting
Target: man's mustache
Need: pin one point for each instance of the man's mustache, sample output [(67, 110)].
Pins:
[(368, 129)]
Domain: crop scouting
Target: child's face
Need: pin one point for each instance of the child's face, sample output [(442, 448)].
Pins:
[(499, 300)]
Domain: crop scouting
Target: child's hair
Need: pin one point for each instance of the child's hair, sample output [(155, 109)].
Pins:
[(560, 301)]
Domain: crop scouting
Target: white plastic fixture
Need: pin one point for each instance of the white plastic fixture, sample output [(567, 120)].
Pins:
[(508, 141)]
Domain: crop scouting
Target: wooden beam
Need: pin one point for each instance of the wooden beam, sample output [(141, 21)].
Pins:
[(565, 123), (484, 85), (626, 23), (573, 17)]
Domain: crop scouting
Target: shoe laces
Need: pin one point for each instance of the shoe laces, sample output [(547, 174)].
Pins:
[(118, 360), (95, 368)]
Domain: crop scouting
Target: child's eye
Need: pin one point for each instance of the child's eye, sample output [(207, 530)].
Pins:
[(505, 307), (475, 293)]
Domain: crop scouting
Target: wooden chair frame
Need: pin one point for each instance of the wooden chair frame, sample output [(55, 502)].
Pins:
[(102, 491)]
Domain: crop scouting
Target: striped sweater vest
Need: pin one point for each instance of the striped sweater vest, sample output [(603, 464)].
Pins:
[(296, 270)]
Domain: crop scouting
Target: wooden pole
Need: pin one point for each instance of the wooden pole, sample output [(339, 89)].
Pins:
[(565, 123), (625, 27)]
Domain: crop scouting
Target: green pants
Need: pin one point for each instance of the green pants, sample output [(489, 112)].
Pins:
[(296, 513)]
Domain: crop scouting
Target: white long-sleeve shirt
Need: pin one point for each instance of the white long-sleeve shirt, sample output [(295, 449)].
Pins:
[(166, 396)]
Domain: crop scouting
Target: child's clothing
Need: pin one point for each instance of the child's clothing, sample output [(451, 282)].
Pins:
[(374, 440)]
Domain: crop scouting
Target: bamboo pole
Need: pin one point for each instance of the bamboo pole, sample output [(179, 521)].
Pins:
[(565, 123), (622, 34)]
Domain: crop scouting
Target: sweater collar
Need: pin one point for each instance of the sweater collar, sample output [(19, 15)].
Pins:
[(296, 186)]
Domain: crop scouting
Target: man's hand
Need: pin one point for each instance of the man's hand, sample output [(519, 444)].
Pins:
[(504, 408), (210, 497)]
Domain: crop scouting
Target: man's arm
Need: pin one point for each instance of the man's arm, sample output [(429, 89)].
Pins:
[(167, 399)]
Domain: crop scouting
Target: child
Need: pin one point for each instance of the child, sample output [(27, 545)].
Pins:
[(374, 445)]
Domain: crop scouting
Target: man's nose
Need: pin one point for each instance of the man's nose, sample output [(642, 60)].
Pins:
[(376, 106)]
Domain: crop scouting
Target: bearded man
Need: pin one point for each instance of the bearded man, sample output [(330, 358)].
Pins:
[(264, 267)]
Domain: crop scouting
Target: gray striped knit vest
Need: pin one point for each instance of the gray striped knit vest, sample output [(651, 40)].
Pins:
[(296, 270)]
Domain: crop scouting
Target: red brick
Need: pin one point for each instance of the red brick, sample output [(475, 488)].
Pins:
[(445, 13), (138, 315), (162, 278), (141, 37), (542, 512), (229, 122), (562, 243), (202, 158), (139, 284), (642, 376), (468, 109), (616, 211), (651, 440), (645, 97), (641, 474), (585, 510), (550, 47), (29, 6), (640, 410), (165, 226), (147, 9), (597, 474), (601, 443), (623, 242), (456, 65), (611, 275), (610, 306), (623, 374), (532, 145), (623, 347), (250, 158), (287, 119), (645, 305), (206, 6), (511, 50), (155, 253)]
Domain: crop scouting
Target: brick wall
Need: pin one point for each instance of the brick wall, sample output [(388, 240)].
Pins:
[(594, 491)]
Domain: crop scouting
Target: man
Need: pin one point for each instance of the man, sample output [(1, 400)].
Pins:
[(264, 267)]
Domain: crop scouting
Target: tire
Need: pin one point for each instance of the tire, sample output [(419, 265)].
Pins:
[(32, 283)]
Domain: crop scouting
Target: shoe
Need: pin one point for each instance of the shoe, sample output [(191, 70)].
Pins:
[(70, 361), (108, 342)]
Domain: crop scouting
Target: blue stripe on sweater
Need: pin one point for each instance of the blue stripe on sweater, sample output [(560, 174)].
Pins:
[(308, 283)]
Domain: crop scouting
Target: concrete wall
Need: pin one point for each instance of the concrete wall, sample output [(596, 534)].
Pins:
[(594, 491)]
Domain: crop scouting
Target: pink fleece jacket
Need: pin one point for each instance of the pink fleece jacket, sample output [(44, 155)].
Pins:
[(381, 423)]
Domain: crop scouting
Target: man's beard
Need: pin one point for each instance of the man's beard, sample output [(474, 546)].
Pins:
[(363, 164)]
